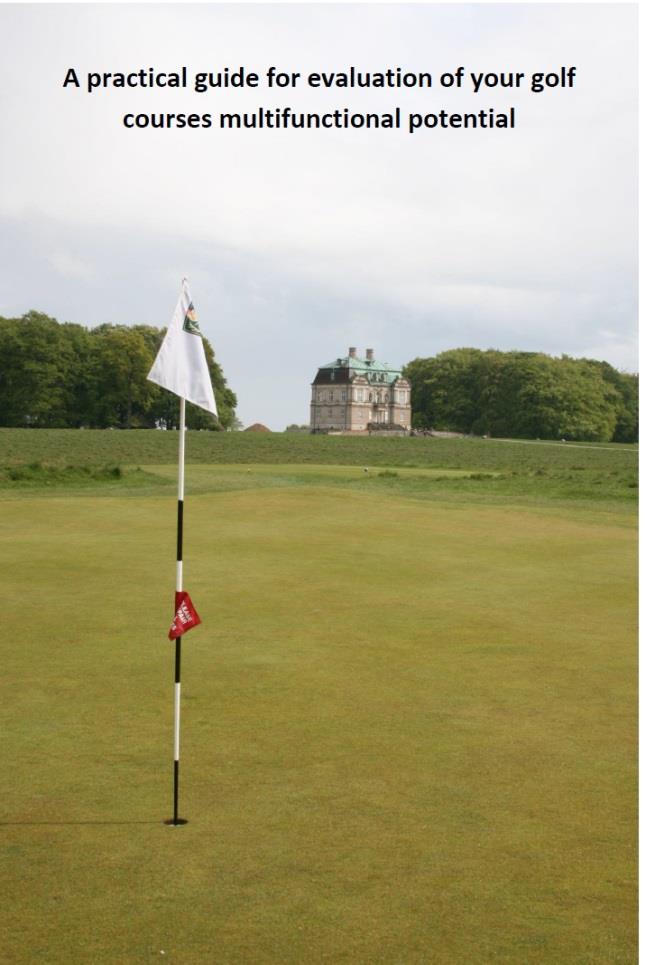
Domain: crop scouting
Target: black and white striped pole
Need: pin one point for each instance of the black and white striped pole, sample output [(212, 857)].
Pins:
[(181, 367), (176, 820)]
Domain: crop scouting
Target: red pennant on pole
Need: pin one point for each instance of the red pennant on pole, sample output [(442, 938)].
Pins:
[(186, 616)]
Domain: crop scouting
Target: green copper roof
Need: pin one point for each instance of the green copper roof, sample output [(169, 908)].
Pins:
[(374, 370)]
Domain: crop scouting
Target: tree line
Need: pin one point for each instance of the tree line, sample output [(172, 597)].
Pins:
[(64, 375), (523, 395)]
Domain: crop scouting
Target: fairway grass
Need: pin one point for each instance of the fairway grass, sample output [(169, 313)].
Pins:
[(408, 726)]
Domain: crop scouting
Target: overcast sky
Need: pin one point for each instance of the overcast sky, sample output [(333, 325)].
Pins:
[(300, 244)]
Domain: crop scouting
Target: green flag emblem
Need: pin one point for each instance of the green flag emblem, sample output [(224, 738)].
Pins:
[(190, 321)]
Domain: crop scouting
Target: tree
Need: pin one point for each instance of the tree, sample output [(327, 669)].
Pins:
[(418, 373), (65, 375), (627, 428), (122, 360), (79, 389), (627, 387), (523, 395), (37, 355)]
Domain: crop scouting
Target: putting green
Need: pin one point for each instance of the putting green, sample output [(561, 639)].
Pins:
[(407, 731)]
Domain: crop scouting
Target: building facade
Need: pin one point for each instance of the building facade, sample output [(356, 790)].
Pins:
[(359, 395)]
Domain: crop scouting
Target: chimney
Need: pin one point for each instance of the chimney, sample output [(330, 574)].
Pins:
[(370, 355), (352, 352)]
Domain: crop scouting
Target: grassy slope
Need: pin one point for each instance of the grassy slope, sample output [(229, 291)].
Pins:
[(408, 726), (484, 471), (145, 447)]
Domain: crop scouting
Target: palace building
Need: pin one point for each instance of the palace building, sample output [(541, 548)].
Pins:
[(359, 395)]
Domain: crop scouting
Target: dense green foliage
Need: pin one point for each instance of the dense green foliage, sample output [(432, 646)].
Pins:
[(524, 395), (57, 375)]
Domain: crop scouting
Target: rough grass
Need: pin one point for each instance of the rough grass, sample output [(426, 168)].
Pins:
[(38, 475), (484, 471), (408, 719), (148, 447)]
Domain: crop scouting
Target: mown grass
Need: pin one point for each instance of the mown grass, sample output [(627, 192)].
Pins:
[(408, 717)]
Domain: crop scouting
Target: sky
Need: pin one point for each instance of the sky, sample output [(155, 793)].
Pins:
[(299, 244)]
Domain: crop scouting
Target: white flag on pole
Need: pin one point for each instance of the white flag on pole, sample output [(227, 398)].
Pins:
[(180, 365)]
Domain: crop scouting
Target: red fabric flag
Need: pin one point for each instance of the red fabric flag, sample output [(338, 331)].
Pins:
[(186, 616)]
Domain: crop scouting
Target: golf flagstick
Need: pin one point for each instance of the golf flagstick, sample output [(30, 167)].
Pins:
[(178, 589), (181, 367)]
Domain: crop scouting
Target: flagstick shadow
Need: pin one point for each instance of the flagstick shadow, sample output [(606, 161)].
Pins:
[(17, 824)]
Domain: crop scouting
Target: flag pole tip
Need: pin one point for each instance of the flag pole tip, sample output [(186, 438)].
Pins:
[(173, 823)]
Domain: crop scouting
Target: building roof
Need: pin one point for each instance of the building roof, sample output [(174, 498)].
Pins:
[(345, 369)]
